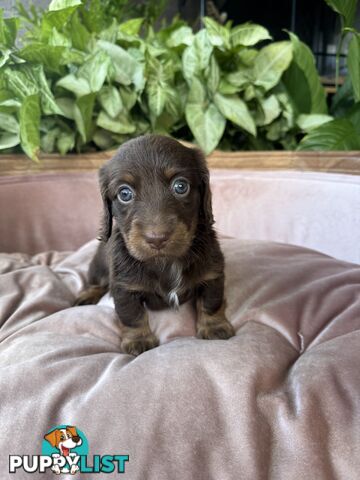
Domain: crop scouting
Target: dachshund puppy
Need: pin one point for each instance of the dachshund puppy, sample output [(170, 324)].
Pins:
[(161, 250)]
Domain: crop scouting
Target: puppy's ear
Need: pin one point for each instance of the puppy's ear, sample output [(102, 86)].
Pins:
[(53, 438), (206, 213), (106, 221)]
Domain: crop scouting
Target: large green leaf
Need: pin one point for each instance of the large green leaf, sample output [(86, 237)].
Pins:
[(248, 34), (30, 126), (271, 62), (83, 113), (213, 75), (314, 120), (235, 110), (206, 125), (340, 134), (124, 64), (346, 8), (95, 70), (156, 96), (196, 57), (218, 35), (120, 124), (353, 61), (181, 36), (305, 61), (110, 100), (79, 86)]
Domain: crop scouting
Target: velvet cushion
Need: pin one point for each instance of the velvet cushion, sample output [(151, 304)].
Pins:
[(279, 400)]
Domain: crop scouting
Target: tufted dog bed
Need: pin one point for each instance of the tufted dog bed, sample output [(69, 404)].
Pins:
[(281, 400)]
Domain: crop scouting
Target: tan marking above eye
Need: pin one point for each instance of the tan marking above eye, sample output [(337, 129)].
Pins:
[(127, 178), (170, 172)]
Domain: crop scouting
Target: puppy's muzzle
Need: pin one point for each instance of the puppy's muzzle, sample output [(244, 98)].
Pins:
[(157, 239)]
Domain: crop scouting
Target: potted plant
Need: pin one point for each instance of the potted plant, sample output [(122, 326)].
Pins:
[(82, 81)]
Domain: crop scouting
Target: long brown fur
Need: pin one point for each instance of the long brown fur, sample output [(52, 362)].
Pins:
[(139, 273)]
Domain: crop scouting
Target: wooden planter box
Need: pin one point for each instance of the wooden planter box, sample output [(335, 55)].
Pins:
[(333, 162)]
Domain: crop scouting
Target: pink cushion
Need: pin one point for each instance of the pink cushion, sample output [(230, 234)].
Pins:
[(282, 396)]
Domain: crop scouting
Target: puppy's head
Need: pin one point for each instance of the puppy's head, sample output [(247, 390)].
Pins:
[(158, 192)]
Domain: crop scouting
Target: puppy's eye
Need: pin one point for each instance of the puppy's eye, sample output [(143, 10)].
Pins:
[(180, 187), (125, 194)]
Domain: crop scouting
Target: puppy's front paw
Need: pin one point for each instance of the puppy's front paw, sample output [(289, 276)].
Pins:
[(216, 326), (135, 341), (91, 295)]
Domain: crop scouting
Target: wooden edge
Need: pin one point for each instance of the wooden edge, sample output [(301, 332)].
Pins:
[(332, 162)]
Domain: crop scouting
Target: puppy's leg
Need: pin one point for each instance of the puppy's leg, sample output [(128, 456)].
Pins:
[(98, 278), (211, 320), (136, 336)]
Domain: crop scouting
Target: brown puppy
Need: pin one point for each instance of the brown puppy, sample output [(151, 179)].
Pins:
[(162, 249)]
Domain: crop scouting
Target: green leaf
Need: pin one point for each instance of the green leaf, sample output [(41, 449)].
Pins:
[(56, 18), (30, 126), (9, 123), (83, 112), (197, 92), (213, 75), (235, 110), (346, 8), (340, 134), (8, 30), (120, 124), (66, 106), (248, 34), (95, 70), (124, 65), (270, 64), (65, 142), (156, 96), (196, 57), (270, 109), (353, 61), (9, 140), (304, 59), (218, 35), (79, 86), (47, 141), (21, 81), (80, 36), (314, 120), (128, 97), (61, 4), (110, 100), (180, 36), (132, 26), (207, 125), (57, 39)]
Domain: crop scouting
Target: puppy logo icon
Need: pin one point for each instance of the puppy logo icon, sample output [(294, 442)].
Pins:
[(65, 450), (65, 441)]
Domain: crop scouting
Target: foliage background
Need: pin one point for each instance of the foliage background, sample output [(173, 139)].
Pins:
[(88, 76)]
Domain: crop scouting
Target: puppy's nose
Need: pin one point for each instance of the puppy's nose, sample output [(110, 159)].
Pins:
[(156, 239)]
